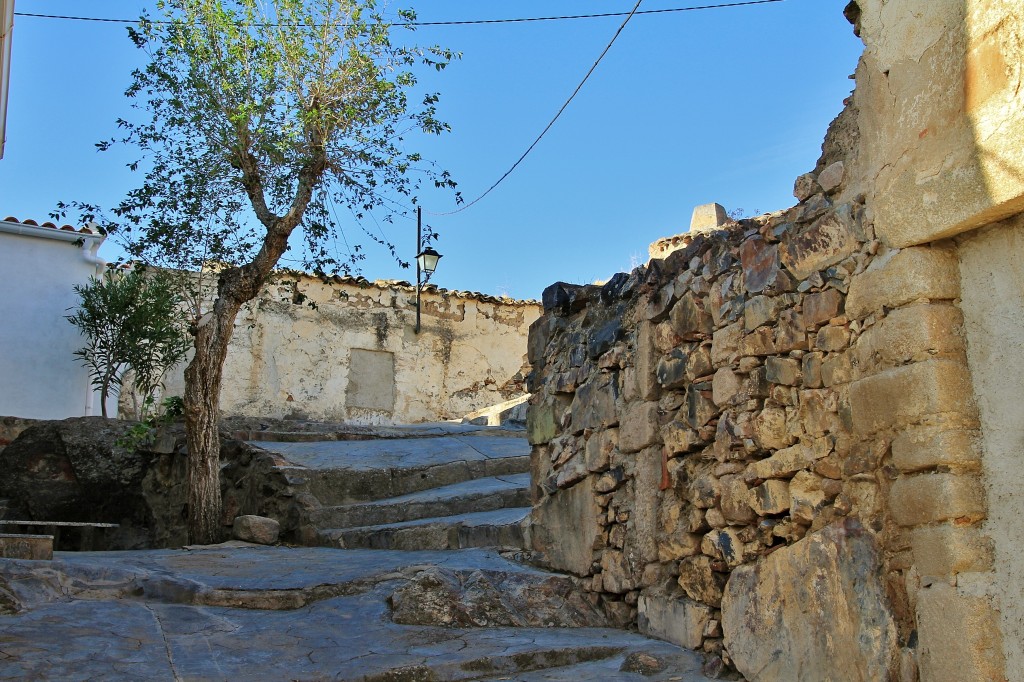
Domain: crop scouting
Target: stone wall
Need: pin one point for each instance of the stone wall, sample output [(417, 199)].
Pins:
[(75, 470), (793, 441), (345, 350), (701, 414)]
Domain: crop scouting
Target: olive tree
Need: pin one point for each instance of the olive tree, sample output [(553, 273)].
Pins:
[(263, 119)]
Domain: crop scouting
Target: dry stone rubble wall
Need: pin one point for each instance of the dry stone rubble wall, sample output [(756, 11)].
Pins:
[(787, 377)]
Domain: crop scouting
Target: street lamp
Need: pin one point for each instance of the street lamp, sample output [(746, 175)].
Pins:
[(426, 262)]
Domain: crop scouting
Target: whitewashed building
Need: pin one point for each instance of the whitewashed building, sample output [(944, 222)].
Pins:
[(40, 264)]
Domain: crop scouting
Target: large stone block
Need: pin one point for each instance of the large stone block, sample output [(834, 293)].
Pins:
[(31, 547), (822, 307), (678, 437), (781, 370), (832, 176), (641, 545), (770, 430), (639, 427), (760, 310), (911, 334), (771, 497), (813, 611), (735, 500), (563, 299), (599, 448), (911, 274), (593, 406), (700, 581), (807, 497), (944, 116), (959, 637), (725, 386), (948, 549), (905, 395), (671, 370), (565, 528), (537, 342), (541, 423), (690, 319), (604, 337), (825, 242), (928, 498), (645, 363), (929, 447), (699, 408), (784, 463), (674, 619), (725, 342), (760, 264)]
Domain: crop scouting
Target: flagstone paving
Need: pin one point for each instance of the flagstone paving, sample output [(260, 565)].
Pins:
[(246, 612)]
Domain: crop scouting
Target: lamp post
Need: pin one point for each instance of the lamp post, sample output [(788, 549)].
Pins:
[(426, 262)]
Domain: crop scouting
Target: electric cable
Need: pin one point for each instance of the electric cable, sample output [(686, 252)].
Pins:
[(629, 15), (550, 123), (463, 22)]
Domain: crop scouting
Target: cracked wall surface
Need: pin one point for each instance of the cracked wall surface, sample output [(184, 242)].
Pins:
[(292, 352), (941, 114)]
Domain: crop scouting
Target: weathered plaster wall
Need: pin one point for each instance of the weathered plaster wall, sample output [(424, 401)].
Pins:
[(941, 108), (992, 271), (346, 351)]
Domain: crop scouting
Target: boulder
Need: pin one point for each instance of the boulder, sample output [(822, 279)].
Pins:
[(258, 529), (485, 598), (811, 609), (675, 619)]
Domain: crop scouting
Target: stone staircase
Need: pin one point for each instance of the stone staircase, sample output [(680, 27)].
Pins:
[(468, 487)]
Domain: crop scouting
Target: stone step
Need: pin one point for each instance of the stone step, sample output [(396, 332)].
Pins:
[(477, 495), (340, 473), (502, 528)]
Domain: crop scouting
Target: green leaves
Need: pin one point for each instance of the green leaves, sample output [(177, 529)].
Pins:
[(132, 321), (256, 114)]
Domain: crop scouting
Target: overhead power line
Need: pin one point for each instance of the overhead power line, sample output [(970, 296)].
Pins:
[(463, 22), (552, 122), (628, 15)]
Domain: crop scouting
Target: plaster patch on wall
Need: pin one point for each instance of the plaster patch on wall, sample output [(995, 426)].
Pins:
[(992, 277), (371, 380)]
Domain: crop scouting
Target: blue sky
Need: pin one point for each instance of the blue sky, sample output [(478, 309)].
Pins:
[(725, 105)]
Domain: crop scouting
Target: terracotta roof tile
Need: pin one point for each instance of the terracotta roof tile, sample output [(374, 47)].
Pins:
[(401, 284), (50, 225)]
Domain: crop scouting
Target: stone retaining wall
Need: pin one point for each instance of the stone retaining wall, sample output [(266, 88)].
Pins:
[(695, 419)]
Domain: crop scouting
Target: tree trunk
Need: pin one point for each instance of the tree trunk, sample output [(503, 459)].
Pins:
[(202, 417), (103, 395), (213, 331)]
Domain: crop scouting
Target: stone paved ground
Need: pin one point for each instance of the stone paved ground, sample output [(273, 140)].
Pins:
[(246, 612)]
